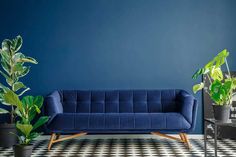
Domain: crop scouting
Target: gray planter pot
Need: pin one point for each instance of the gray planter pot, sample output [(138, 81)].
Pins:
[(7, 139), (22, 150), (221, 113)]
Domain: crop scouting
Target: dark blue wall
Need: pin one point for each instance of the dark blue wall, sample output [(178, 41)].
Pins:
[(119, 44)]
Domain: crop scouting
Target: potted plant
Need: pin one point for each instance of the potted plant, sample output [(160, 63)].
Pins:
[(13, 68), (27, 109), (221, 86)]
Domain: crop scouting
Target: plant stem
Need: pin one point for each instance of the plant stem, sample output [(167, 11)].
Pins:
[(227, 66), (12, 114), (207, 92), (11, 76), (209, 78)]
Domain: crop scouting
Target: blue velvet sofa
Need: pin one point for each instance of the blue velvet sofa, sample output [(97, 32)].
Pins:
[(120, 111)]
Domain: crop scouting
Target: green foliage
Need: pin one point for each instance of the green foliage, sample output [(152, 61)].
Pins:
[(198, 87), (220, 89), (216, 74), (13, 68), (3, 110), (30, 108), (213, 64), (220, 92), (12, 99)]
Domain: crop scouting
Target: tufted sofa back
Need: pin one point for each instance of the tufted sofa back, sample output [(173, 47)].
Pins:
[(119, 101)]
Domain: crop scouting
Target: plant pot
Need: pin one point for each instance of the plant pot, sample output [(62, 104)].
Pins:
[(221, 113), (7, 139), (22, 150)]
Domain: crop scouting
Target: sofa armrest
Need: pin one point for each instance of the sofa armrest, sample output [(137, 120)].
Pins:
[(188, 107), (53, 104)]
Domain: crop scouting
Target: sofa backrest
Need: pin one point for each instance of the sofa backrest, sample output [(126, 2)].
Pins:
[(119, 101)]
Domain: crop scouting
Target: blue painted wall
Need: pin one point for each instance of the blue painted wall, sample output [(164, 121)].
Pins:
[(119, 44)]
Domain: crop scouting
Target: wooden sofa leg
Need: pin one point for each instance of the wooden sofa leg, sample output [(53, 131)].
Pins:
[(186, 140), (51, 141), (183, 138), (56, 138)]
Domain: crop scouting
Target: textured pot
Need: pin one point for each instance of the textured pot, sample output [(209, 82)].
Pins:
[(22, 150), (7, 139), (221, 113)]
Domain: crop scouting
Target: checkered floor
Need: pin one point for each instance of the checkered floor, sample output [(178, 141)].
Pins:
[(126, 147)]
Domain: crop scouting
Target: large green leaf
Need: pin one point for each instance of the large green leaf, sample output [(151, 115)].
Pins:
[(233, 79), (198, 87), (5, 89), (6, 45), (216, 74), (216, 84), (8, 78), (216, 62), (4, 75), (5, 56), (217, 93), (38, 101), (25, 129), (17, 56), (11, 98), (209, 65), (17, 43), (34, 135), (198, 73), (6, 66), (28, 59), (220, 58), (36, 104), (3, 111), (17, 112), (18, 85), (228, 86), (10, 81), (28, 101), (18, 68), (23, 72), (40, 122), (32, 115)]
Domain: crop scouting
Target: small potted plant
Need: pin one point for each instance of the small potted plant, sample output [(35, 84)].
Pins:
[(26, 110), (221, 86), (13, 69)]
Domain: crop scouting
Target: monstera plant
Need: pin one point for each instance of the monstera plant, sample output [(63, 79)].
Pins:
[(221, 86), (13, 69)]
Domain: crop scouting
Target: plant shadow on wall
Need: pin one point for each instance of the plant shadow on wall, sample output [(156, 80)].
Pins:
[(24, 109), (221, 87)]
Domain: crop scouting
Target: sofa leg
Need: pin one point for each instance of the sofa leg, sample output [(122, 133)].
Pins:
[(56, 138), (183, 138), (51, 141)]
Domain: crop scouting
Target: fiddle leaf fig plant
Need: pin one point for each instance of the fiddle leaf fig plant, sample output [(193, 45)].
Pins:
[(13, 68), (221, 87), (30, 107)]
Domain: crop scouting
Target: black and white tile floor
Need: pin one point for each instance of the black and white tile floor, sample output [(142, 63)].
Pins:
[(127, 147)]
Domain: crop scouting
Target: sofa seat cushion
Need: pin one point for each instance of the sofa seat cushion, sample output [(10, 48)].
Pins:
[(119, 121)]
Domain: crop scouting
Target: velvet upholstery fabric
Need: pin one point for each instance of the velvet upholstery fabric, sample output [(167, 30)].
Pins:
[(120, 111)]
